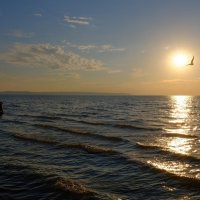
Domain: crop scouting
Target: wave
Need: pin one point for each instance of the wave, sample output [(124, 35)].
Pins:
[(43, 117), (13, 121), (146, 146), (84, 147), (96, 123), (159, 167), (34, 138), (128, 126), (93, 122), (179, 135), (122, 126), (91, 148), (48, 117), (165, 151), (60, 117), (39, 178), (80, 132), (74, 187), (184, 178), (79, 190)]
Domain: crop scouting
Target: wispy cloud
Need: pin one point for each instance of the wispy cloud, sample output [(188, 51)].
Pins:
[(114, 71), (65, 75), (179, 80), (77, 20), (37, 14), (98, 48), (50, 56), (104, 48), (20, 34)]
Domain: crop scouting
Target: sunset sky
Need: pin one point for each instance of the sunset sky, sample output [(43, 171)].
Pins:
[(120, 46)]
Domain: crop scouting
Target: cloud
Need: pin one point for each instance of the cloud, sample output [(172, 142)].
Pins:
[(179, 80), (37, 14), (114, 71), (20, 34), (51, 56), (98, 48), (77, 20), (105, 48), (166, 48), (73, 75)]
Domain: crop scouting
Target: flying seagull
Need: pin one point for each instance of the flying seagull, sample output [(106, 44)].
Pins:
[(192, 61)]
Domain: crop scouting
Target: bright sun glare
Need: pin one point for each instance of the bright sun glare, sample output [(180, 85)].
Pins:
[(180, 60)]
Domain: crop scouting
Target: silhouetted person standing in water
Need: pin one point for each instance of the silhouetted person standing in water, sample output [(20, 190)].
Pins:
[(1, 108)]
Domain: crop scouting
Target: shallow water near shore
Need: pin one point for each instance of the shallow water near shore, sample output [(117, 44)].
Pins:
[(99, 147)]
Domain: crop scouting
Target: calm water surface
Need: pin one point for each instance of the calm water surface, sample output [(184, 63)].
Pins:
[(100, 147)]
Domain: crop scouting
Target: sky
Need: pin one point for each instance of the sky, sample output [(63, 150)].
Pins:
[(112, 46)]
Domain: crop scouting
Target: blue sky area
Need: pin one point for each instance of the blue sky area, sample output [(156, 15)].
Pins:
[(124, 46)]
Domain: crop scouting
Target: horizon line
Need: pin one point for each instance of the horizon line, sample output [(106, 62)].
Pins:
[(86, 93)]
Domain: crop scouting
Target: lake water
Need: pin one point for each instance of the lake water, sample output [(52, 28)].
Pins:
[(99, 147)]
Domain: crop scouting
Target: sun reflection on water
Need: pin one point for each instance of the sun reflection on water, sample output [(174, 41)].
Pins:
[(179, 139), (180, 145), (180, 109), (175, 150), (180, 118)]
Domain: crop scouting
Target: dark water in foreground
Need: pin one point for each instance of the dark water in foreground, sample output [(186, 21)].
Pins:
[(100, 147)]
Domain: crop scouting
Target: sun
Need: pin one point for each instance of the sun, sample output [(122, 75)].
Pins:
[(180, 60)]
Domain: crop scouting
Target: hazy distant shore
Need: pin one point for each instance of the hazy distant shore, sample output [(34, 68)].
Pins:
[(62, 93)]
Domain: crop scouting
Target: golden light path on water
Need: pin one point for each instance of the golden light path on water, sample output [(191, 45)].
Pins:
[(179, 140), (182, 146), (180, 117)]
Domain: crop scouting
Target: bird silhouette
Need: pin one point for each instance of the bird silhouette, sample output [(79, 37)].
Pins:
[(192, 61)]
